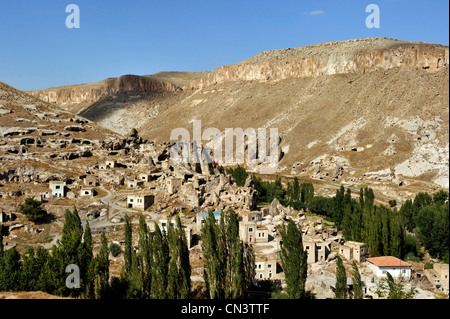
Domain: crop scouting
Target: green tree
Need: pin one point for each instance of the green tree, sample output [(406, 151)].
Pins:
[(341, 280), (10, 271), (145, 256), (128, 246), (33, 209), (100, 270), (239, 174), (356, 281), (160, 264), (306, 192), (179, 272), (293, 260), (214, 257), (115, 249), (396, 289)]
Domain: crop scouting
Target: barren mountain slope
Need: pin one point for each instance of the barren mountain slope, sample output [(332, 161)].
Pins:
[(41, 142), (76, 98), (367, 111)]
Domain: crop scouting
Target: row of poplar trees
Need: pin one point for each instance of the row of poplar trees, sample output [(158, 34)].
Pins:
[(160, 269), (229, 269), (380, 228), (42, 270)]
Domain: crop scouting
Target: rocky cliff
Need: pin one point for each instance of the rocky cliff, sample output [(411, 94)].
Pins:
[(358, 56), (93, 92)]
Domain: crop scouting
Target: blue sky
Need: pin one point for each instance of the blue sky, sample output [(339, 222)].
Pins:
[(115, 37)]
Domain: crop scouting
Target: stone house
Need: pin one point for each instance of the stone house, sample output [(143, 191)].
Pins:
[(351, 250), (110, 163), (251, 232), (439, 276), (265, 266), (248, 216), (144, 177), (174, 185), (134, 183), (87, 192), (141, 202), (57, 188), (317, 250), (90, 181)]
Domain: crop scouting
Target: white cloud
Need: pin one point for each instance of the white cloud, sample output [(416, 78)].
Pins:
[(314, 12)]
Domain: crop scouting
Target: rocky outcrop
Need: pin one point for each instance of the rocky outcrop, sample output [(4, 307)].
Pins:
[(93, 92), (354, 56)]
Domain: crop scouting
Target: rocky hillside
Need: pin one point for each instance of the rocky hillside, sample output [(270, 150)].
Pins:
[(359, 112), (358, 56), (40, 142), (78, 97)]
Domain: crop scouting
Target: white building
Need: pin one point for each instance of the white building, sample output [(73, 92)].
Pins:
[(396, 267), (57, 188), (87, 192)]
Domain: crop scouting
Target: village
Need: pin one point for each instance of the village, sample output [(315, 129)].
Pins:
[(131, 176)]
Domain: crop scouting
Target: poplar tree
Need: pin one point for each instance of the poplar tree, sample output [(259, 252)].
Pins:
[(294, 260), (356, 281), (296, 190), (101, 269), (341, 280), (306, 192), (179, 269), (213, 253), (159, 264), (128, 246), (145, 256), (229, 264)]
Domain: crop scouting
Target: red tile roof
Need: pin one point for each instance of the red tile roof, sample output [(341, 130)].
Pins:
[(388, 261)]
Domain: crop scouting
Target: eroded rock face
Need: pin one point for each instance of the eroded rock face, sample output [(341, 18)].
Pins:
[(353, 56), (93, 92)]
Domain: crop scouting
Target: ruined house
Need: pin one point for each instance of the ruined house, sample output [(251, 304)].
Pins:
[(439, 277), (351, 250), (134, 183), (318, 250), (87, 192), (90, 181), (173, 185)]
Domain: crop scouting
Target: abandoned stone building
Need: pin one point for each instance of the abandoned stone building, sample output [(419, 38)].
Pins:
[(144, 177), (351, 250), (90, 181), (265, 266), (141, 202), (173, 185), (318, 250), (439, 277), (57, 188), (134, 183), (88, 192)]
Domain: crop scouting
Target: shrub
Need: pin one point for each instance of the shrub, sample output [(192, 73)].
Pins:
[(115, 249), (33, 210)]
